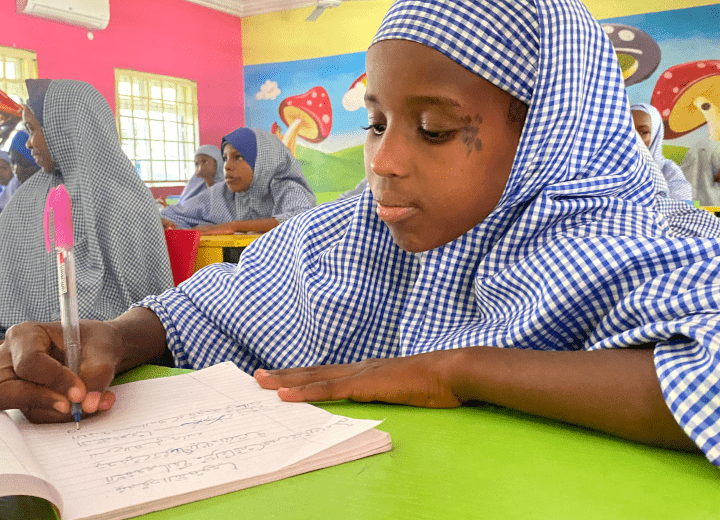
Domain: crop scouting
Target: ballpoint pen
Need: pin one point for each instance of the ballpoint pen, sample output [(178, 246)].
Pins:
[(59, 206)]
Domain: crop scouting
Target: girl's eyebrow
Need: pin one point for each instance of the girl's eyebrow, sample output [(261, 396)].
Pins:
[(441, 101)]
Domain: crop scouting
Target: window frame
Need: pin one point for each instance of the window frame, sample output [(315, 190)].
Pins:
[(169, 160), (28, 70)]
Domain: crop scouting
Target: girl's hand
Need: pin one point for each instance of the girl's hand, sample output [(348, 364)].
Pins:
[(34, 379), (420, 380), (168, 224), (226, 228)]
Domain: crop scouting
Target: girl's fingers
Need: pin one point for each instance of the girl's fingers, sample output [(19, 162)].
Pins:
[(37, 367), (39, 404), (292, 377), (330, 390)]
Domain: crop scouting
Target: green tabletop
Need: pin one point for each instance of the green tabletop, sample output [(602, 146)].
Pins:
[(476, 462)]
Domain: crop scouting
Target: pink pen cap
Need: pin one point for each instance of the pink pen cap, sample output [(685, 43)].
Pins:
[(58, 202)]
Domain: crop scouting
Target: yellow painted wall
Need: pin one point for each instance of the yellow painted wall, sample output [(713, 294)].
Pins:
[(286, 36)]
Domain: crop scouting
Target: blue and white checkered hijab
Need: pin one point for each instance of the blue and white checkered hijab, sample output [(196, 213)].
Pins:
[(120, 250), (574, 257)]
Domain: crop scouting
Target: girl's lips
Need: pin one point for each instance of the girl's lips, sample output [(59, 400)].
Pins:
[(392, 214)]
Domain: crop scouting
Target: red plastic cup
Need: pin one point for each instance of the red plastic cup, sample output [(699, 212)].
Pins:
[(182, 247)]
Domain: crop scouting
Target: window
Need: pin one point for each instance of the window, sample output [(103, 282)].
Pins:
[(15, 67), (157, 123)]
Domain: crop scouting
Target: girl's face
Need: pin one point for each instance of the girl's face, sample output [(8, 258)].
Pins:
[(238, 173), (205, 168), (6, 172), (440, 145), (643, 126), (36, 142)]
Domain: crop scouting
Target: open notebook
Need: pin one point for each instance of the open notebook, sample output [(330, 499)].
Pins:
[(175, 440)]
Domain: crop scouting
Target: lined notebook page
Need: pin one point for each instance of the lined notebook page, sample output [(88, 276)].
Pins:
[(177, 435)]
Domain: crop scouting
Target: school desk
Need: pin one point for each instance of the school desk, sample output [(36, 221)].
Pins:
[(221, 248), (481, 462)]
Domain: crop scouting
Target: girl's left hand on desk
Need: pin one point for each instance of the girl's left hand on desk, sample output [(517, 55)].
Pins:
[(419, 380)]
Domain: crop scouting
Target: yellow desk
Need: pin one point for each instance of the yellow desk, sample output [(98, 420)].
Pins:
[(712, 209), (221, 248)]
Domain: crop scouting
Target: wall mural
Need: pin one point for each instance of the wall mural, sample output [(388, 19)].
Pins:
[(670, 59), (316, 108)]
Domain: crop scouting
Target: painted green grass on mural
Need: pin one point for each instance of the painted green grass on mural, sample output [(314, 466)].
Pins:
[(336, 172), (676, 153)]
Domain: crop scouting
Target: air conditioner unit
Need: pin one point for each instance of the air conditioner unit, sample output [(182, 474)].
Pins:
[(91, 14)]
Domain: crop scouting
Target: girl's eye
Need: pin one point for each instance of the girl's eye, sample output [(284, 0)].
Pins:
[(376, 129), (437, 136)]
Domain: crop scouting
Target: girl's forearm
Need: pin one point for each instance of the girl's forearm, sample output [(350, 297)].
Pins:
[(142, 338), (260, 225), (616, 390)]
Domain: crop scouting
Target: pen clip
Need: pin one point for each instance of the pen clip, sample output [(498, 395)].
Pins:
[(58, 202)]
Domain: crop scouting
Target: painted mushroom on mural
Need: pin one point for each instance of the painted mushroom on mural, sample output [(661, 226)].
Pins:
[(308, 116), (637, 52), (688, 97)]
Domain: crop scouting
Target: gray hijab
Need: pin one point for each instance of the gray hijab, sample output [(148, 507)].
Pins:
[(120, 249)]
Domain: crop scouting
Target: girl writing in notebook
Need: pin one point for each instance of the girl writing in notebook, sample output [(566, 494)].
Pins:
[(264, 186), (508, 250)]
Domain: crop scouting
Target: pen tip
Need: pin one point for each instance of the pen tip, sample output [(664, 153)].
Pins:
[(77, 425)]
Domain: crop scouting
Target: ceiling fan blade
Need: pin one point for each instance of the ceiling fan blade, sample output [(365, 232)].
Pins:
[(316, 13)]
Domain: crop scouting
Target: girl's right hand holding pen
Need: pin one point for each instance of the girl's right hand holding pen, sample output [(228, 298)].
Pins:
[(34, 378)]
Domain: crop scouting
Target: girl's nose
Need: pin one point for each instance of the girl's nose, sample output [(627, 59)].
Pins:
[(391, 157)]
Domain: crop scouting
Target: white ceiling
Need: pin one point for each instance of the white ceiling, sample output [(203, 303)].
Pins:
[(252, 7)]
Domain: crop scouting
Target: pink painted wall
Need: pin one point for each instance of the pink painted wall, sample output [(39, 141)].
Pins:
[(170, 37)]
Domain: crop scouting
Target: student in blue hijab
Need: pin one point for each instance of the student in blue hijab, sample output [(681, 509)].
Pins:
[(508, 249), (264, 186), (23, 165)]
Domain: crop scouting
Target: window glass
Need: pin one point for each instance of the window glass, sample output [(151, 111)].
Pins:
[(157, 123)]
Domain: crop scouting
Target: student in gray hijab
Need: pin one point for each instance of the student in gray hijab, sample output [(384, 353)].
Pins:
[(264, 186), (120, 250), (208, 172)]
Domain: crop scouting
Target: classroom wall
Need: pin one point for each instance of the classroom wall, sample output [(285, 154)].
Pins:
[(328, 56), (169, 37), (350, 27)]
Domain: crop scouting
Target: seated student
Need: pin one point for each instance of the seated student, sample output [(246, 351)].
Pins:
[(507, 250), (208, 171), (23, 164), (701, 166), (120, 250), (649, 126), (6, 172), (264, 186)]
